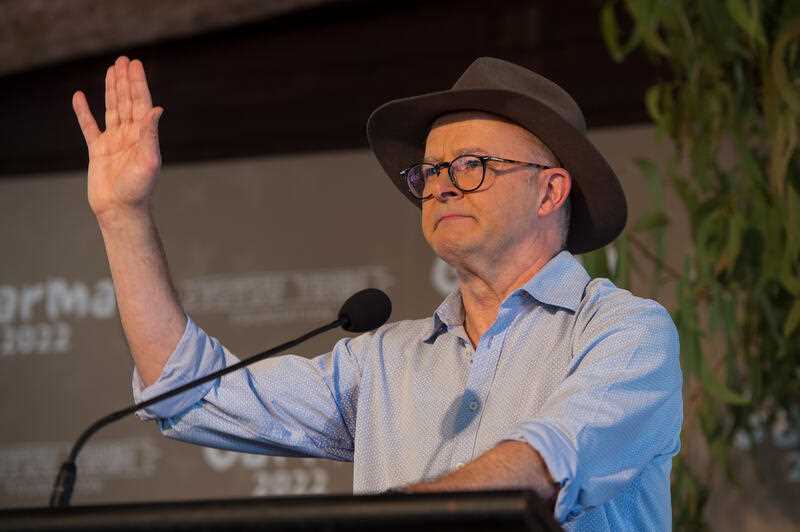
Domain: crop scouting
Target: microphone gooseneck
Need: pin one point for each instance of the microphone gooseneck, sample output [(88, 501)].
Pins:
[(364, 311)]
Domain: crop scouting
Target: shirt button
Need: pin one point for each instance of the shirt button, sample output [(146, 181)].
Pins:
[(473, 405), (459, 465)]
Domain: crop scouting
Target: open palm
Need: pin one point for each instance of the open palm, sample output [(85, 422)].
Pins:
[(125, 158)]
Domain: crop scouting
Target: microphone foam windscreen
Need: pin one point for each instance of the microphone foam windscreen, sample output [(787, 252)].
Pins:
[(365, 310)]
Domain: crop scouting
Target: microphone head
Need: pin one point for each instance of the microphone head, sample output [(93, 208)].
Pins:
[(365, 310)]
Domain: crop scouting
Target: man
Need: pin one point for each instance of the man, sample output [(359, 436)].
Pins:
[(531, 375)]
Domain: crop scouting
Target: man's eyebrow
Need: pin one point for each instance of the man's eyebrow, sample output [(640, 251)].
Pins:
[(471, 150), (463, 151)]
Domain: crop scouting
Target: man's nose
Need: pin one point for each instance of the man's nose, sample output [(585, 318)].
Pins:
[(442, 188)]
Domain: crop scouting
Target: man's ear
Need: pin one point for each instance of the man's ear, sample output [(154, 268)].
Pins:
[(555, 185)]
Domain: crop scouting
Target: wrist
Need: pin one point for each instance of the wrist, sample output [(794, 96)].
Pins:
[(114, 218)]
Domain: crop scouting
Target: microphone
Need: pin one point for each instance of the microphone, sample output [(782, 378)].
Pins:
[(364, 311)]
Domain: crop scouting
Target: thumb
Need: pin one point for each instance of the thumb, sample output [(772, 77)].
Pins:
[(155, 117)]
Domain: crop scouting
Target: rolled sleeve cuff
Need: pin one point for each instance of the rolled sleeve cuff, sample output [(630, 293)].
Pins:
[(196, 355), (561, 458)]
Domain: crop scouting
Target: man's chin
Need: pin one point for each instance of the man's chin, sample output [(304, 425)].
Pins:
[(453, 250)]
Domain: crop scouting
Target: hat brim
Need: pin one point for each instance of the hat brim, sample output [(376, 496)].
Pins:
[(397, 131)]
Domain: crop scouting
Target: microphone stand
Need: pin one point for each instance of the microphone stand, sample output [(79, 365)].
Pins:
[(65, 481)]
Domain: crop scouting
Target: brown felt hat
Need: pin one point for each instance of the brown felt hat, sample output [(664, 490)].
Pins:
[(397, 131)]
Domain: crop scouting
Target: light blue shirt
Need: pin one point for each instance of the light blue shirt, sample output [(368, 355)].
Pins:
[(583, 371)]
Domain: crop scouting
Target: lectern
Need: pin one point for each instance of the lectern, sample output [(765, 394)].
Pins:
[(507, 511)]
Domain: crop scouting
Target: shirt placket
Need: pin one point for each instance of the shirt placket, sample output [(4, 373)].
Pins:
[(483, 365)]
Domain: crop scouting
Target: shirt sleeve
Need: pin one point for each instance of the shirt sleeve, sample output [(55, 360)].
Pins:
[(287, 405), (618, 411)]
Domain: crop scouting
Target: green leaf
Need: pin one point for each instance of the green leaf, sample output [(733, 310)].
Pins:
[(686, 194), (731, 338), (792, 320), (718, 389), (686, 321), (792, 223), (733, 246), (784, 142), (771, 226), (710, 229), (652, 99), (610, 32), (747, 21), (787, 89), (648, 16), (789, 279), (702, 157)]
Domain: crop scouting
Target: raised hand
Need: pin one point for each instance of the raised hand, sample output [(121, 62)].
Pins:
[(125, 158), (123, 164)]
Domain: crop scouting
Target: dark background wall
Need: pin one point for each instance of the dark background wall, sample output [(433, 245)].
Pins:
[(307, 79)]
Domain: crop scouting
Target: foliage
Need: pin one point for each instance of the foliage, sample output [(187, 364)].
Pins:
[(730, 102)]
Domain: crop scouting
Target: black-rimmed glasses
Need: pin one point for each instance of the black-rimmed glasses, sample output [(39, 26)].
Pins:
[(466, 172)]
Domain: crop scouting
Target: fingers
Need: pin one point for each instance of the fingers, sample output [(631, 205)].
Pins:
[(123, 88), (140, 92), (127, 93), (112, 115), (85, 119)]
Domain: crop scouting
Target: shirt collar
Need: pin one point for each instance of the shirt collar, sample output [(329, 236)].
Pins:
[(560, 283), (449, 314)]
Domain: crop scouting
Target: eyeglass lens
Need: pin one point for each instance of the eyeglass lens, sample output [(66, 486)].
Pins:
[(466, 171)]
